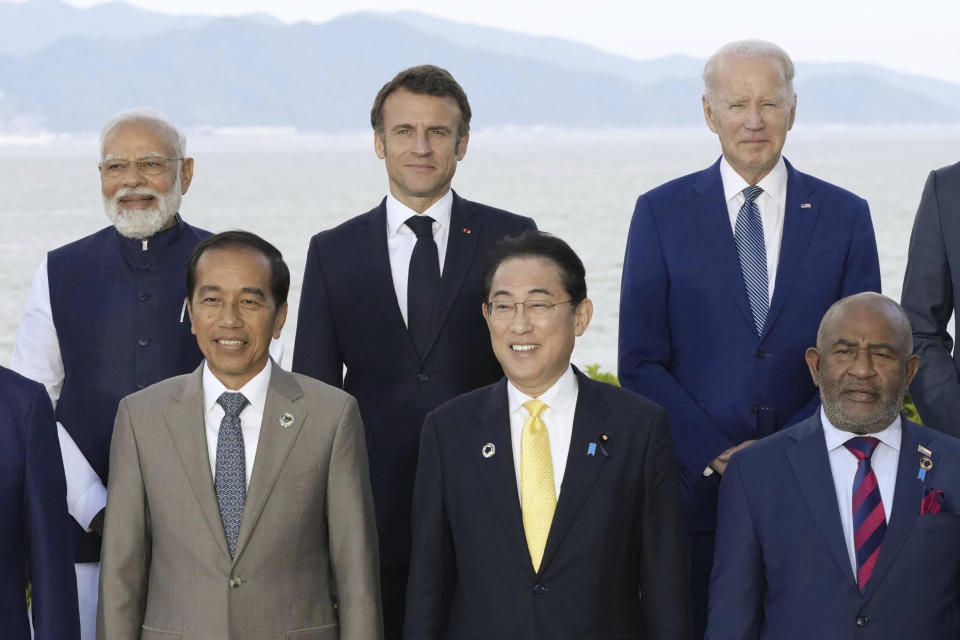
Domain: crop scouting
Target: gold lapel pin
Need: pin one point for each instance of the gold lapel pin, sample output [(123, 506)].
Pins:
[(287, 420), (926, 463)]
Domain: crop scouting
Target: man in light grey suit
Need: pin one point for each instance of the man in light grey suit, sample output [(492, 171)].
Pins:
[(239, 504), (931, 291)]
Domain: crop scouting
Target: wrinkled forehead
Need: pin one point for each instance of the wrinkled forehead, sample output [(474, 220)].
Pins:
[(867, 322), (139, 137)]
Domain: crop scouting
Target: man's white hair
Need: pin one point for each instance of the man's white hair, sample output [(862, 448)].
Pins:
[(745, 50), (144, 114)]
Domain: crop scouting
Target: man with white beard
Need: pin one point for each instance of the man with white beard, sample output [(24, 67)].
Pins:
[(104, 317)]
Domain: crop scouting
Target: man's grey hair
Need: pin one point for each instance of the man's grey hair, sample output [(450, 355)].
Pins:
[(144, 114), (745, 50)]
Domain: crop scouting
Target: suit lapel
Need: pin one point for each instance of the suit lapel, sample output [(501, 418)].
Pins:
[(906, 503), (465, 229), (498, 473), (277, 436), (815, 479), (582, 470), (717, 237), (185, 422), (372, 252), (798, 226)]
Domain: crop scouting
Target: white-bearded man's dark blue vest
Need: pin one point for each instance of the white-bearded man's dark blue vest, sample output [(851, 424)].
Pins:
[(117, 310)]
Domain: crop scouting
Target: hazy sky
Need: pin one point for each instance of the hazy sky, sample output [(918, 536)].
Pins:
[(919, 36)]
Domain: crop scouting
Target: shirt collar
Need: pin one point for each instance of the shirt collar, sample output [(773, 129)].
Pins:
[(773, 184), (835, 437), (397, 213), (255, 390), (558, 397)]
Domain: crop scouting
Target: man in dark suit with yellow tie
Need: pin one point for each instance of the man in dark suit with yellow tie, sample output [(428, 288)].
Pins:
[(547, 505)]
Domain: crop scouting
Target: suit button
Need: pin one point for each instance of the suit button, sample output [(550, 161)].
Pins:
[(144, 264), (862, 621), (538, 588), (143, 342), (235, 582), (143, 296), (754, 408), (761, 354), (422, 377)]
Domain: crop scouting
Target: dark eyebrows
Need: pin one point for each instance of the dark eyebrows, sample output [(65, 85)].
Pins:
[(873, 346), (214, 288), (436, 127), (501, 292), (256, 291), (208, 288)]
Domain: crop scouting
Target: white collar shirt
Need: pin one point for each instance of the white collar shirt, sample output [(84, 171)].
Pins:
[(401, 240), (561, 400), (250, 418), (843, 466), (772, 204)]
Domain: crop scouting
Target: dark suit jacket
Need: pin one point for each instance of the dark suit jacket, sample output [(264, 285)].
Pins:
[(782, 571), (931, 287), (687, 337), (34, 525), (349, 316), (618, 529)]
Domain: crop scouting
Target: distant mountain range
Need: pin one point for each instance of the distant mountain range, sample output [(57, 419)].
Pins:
[(66, 69)]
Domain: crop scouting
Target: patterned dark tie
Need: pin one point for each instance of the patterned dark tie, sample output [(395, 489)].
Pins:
[(230, 480), (748, 232), (869, 518), (423, 281)]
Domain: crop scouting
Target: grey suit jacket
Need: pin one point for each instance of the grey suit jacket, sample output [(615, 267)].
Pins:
[(931, 290), (307, 539)]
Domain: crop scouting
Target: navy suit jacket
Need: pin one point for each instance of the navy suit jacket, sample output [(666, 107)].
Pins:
[(782, 571), (349, 316), (931, 289), (34, 524), (687, 337), (618, 529)]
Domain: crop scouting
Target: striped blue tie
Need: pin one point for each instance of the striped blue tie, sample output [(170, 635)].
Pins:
[(748, 233)]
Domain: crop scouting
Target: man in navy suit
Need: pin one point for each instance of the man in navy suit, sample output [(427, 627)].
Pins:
[(845, 525), (726, 276), (547, 505), (391, 295), (34, 524)]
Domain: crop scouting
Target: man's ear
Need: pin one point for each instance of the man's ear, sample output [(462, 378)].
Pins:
[(812, 356)]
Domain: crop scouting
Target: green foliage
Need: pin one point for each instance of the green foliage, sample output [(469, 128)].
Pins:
[(910, 409), (593, 370), (29, 591)]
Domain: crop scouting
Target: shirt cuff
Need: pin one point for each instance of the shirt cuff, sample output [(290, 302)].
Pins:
[(708, 472), (92, 502)]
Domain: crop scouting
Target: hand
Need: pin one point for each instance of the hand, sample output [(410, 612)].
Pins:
[(719, 464), (96, 525)]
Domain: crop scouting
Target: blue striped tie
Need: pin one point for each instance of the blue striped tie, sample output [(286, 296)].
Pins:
[(869, 517), (748, 233)]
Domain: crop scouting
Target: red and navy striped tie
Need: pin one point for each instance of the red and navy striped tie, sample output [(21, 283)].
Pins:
[(869, 519)]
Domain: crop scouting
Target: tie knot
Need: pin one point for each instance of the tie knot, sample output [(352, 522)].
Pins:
[(752, 193), (421, 225), (535, 407), (232, 403), (862, 447)]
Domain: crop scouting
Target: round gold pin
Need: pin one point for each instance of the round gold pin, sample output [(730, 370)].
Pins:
[(926, 463)]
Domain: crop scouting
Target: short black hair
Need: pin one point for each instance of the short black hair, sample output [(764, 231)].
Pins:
[(538, 244), (279, 272), (424, 79)]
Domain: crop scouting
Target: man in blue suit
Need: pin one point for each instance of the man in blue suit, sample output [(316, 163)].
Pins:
[(547, 505), (845, 525), (391, 295), (726, 276), (34, 524)]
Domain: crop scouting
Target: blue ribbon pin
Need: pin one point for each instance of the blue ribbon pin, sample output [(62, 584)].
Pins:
[(592, 449)]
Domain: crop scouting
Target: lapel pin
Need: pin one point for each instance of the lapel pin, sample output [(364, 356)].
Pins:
[(287, 420), (805, 205), (604, 439), (488, 450), (592, 448), (466, 230), (922, 449), (926, 462)]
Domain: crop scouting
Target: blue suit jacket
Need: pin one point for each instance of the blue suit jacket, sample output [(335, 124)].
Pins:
[(782, 571), (931, 290), (687, 338), (34, 524), (618, 528), (349, 316)]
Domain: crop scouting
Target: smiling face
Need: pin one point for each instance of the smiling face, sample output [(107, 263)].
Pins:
[(533, 351), (233, 313), (139, 204), (750, 109), (863, 364), (420, 146)]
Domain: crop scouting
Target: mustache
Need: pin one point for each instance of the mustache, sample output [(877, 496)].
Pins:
[(136, 191)]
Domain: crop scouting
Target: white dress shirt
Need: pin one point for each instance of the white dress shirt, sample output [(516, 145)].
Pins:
[(251, 417), (561, 400), (401, 239), (843, 465), (772, 203)]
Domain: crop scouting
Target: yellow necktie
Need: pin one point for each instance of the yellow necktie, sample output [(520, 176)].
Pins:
[(538, 495)]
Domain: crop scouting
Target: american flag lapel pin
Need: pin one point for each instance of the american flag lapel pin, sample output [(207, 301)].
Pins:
[(466, 230), (805, 205)]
